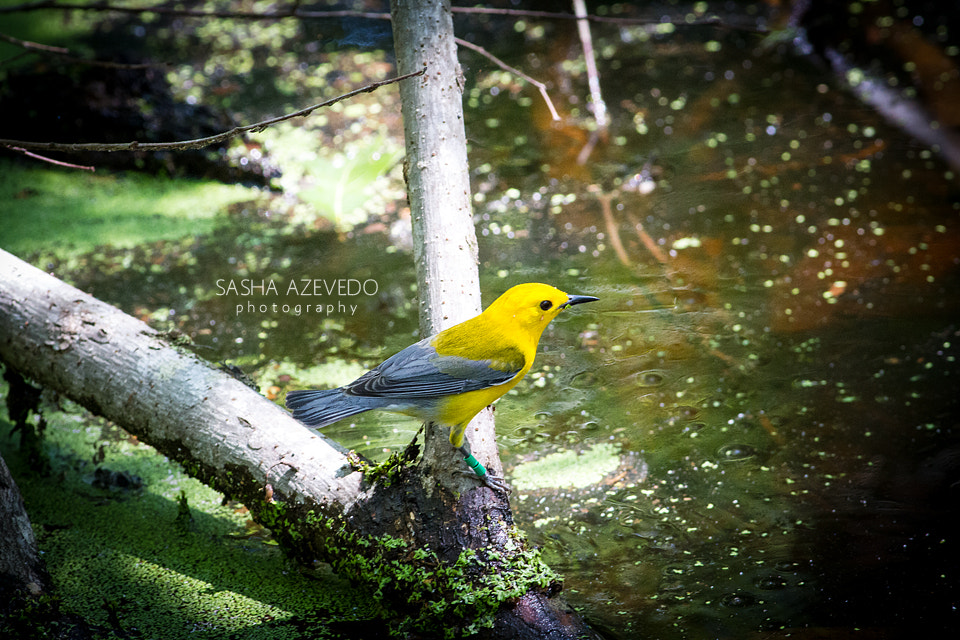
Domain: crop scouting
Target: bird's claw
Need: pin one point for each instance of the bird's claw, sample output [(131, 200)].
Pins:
[(497, 483), (494, 482)]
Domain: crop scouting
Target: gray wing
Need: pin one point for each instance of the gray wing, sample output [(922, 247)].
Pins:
[(419, 372)]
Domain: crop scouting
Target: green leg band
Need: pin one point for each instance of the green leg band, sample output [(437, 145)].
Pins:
[(475, 465)]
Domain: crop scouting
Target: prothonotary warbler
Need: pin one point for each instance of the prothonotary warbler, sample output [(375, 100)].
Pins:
[(449, 377)]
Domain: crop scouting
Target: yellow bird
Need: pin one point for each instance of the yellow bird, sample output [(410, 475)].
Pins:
[(449, 377)]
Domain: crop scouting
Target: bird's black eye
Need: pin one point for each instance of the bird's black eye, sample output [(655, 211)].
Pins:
[(546, 304)]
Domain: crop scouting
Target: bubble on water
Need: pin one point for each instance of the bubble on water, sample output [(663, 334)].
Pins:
[(736, 452), (585, 380), (694, 426), (787, 566), (650, 378), (770, 582), (737, 599), (686, 412)]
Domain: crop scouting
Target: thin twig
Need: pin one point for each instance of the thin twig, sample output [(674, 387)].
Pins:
[(647, 241), (503, 65), (115, 65), (64, 54), (597, 106), (36, 46), (612, 230), (553, 15), (199, 143), (59, 163)]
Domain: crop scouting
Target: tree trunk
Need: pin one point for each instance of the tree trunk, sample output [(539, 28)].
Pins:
[(26, 602), (20, 567), (438, 186), (445, 246), (435, 559)]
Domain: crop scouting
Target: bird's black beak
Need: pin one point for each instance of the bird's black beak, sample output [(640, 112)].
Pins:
[(577, 300)]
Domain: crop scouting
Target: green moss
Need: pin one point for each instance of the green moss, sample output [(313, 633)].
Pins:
[(166, 557), (414, 589), (421, 593), (46, 209), (568, 468), (388, 471)]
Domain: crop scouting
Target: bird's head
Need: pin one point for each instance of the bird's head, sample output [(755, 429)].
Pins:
[(533, 305)]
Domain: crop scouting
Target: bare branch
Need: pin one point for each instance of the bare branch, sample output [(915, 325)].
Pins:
[(597, 105), (503, 65), (590, 58), (26, 44), (198, 143), (59, 163), (64, 54)]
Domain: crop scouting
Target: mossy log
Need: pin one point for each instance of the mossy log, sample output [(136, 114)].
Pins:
[(436, 560)]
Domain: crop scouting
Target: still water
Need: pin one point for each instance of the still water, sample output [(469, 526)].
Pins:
[(772, 367), (774, 353)]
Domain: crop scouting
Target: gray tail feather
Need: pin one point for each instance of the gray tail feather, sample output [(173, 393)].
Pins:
[(318, 408)]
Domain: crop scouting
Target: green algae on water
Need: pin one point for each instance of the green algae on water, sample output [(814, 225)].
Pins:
[(163, 556), (46, 209), (579, 470)]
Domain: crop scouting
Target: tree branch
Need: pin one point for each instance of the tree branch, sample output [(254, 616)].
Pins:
[(120, 368), (64, 54), (503, 65), (198, 143), (35, 46), (59, 163)]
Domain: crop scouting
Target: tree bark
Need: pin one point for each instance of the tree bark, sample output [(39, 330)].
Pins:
[(438, 186), (435, 559), (20, 567), (118, 367)]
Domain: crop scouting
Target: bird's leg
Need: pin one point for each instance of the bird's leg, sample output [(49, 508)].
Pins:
[(494, 482)]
